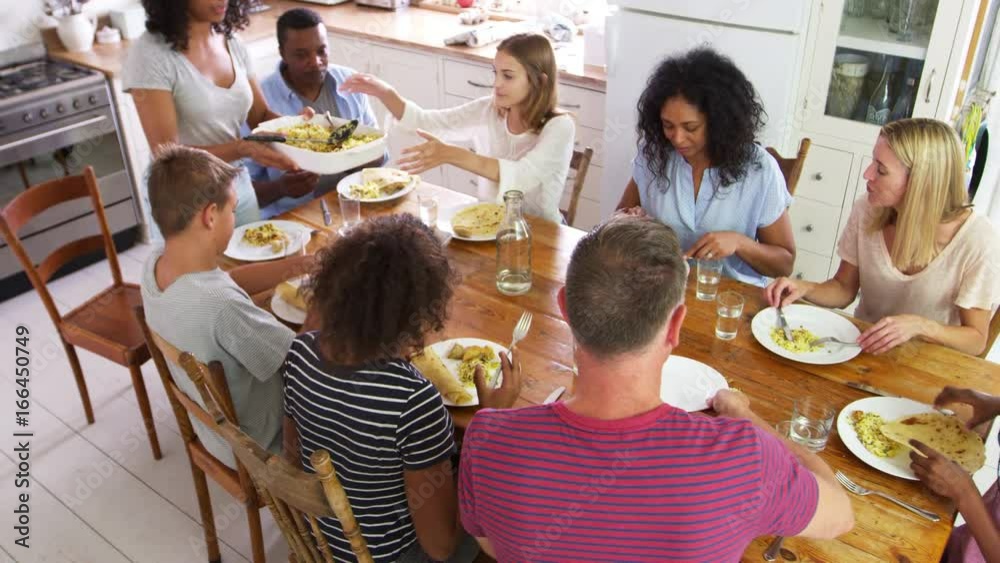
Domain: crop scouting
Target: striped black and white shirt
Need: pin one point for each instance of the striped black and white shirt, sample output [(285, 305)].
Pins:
[(375, 422)]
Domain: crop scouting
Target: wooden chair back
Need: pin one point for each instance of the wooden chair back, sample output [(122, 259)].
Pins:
[(35, 200), (991, 335), (791, 168), (296, 498), (580, 164)]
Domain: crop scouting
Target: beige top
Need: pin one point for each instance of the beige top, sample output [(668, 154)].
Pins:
[(966, 274)]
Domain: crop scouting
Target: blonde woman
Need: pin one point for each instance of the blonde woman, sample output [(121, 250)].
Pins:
[(522, 141), (926, 263)]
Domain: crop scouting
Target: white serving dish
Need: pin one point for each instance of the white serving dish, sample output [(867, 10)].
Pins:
[(322, 162)]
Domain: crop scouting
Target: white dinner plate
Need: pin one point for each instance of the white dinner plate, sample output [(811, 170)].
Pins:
[(442, 348), (444, 223), (285, 310), (239, 250), (819, 321), (890, 409), (688, 384), (344, 187)]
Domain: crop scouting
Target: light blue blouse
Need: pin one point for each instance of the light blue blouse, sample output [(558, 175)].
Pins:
[(755, 201)]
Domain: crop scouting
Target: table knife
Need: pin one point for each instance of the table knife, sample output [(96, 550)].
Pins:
[(869, 389), (783, 324), (327, 219), (554, 396)]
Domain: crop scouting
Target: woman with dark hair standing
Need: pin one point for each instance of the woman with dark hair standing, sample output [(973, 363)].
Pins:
[(700, 171), (192, 84)]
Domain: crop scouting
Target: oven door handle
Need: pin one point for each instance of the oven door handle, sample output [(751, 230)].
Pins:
[(52, 133)]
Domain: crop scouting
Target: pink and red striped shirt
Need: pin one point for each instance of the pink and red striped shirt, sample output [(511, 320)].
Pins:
[(545, 484)]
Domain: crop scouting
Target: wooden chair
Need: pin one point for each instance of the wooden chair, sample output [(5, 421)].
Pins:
[(203, 463), (104, 324), (991, 336), (580, 164), (791, 168), (294, 497)]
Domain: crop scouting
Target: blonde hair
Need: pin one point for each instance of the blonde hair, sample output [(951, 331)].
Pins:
[(535, 54), (936, 191)]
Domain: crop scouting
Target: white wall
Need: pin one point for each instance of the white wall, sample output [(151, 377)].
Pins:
[(17, 18)]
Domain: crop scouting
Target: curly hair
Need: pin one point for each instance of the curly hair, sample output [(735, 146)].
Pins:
[(169, 18), (713, 84), (380, 289)]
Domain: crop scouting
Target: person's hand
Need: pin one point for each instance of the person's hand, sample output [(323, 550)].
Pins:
[(266, 156), (733, 404), (785, 291), (502, 397), (361, 83), (298, 183), (984, 407), (716, 245), (940, 474), (307, 113), (891, 332), (421, 158)]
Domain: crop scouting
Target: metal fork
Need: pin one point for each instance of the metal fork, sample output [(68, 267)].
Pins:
[(832, 340), (521, 329), (862, 491), (771, 554)]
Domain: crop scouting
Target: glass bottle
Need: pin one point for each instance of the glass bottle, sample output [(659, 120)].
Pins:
[(903, 107), (513, 248), (878, 104)]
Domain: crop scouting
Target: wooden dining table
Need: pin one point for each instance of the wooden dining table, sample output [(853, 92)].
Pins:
[(916, 370)]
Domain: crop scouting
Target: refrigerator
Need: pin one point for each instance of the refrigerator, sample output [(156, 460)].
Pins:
[(763, 37)]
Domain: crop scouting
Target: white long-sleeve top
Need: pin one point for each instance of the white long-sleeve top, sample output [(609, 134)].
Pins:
[(534, 163)]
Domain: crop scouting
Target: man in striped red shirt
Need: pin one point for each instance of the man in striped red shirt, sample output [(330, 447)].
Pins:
[(614, 474)]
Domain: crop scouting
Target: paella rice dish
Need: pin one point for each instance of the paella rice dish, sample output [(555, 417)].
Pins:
[(314, 131), (868, 427), (266, 234), (471, 357), (801, 337)]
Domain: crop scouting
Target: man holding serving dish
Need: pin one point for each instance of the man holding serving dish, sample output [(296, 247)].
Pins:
[(304, 78)]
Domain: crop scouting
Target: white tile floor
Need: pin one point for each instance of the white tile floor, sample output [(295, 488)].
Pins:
[(96, 493)]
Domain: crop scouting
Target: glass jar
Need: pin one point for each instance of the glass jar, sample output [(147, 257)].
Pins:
[(513, 248), (846, 84), (878, 9), (854, 8)]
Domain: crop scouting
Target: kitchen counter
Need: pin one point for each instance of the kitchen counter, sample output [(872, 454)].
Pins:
[(413, 28)]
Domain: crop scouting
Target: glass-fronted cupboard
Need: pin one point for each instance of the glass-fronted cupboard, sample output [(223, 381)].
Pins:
[(876, 61)]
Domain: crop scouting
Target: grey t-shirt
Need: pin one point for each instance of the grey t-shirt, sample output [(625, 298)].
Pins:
[(207, 114), (209, 316)]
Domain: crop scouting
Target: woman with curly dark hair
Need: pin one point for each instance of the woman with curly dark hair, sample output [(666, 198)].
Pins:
[(193, 85), (350, 390), (700, 171)]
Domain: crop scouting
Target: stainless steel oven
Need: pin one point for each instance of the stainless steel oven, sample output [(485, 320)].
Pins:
[(56, 119)]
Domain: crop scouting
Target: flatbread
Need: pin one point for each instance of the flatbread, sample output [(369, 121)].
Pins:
[(388, 180), (943, 433), (482, 219), (432, 367), (290, 291)]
